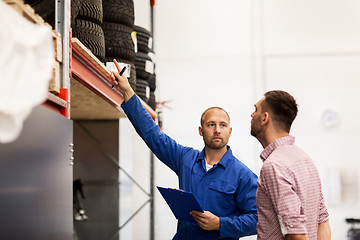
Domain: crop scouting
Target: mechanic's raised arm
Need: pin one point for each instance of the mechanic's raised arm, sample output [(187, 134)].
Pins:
[(165, 148)]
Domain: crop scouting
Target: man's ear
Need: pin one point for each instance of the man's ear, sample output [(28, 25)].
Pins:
[(265, 118), (200, 131)]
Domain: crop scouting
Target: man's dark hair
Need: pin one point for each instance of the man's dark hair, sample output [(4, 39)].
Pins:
[(282, 107), (202, 115)]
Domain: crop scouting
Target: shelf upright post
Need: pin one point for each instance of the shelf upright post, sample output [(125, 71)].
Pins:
[(62, 25), (152, 166), (152, 209)]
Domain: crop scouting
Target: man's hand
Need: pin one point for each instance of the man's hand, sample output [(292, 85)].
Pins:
[(121, 83), (206, 220)]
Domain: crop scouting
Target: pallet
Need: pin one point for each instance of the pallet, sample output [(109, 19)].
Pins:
[(57, 40), (26, 11), (54, 83)]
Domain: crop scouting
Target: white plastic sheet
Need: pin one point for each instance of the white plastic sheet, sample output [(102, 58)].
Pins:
[(26, 60)]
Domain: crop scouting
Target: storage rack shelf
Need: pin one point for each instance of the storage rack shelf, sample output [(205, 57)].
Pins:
[(91, 96)]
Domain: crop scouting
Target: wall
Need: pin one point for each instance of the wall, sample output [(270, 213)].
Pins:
[(228, 53)]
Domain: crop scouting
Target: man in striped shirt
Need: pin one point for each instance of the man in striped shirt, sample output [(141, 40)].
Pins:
[(289, 198)]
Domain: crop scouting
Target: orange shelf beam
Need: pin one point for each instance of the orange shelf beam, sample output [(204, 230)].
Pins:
[(90, 76)]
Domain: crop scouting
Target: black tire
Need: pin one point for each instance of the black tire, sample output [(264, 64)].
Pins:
[(119, 11), (45, 9), (152, 82), (142, 89), (33, 2), (92, 36), (140, 64), (132, 78), (152, 100), (118, 41), (75, 8), (143, 37), (91, 10)]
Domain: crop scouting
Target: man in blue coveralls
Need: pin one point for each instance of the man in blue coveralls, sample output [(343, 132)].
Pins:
[(224, 187)]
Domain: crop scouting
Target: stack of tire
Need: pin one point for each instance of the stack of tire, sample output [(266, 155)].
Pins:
[(118, 26), (46, 9), (86, 20), (105, 27), (86, 24), (145, 67)]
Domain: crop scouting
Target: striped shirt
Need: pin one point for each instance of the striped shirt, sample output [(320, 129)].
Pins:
[(289, 197)]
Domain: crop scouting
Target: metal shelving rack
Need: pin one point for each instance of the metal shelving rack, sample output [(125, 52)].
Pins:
[(79, 66)]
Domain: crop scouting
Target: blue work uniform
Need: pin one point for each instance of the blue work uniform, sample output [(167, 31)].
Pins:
[(227, 190)]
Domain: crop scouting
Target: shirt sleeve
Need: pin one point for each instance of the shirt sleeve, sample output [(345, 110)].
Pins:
[(165, 148), (245, 223), (278, 182), (323, 213)]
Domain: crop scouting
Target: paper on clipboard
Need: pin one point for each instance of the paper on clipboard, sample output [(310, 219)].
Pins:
[(180, 202)]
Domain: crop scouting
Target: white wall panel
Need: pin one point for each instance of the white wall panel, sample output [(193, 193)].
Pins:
[(142, 13), (201, 28), (311, 26), (319, 83)]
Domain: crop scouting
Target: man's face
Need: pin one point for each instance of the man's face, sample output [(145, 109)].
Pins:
[(215, 129), (256, 116)]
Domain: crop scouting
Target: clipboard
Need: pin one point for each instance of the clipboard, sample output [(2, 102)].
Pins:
[(181, 203)]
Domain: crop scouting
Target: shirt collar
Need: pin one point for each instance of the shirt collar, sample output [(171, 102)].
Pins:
[(225, 160), (287, 140)]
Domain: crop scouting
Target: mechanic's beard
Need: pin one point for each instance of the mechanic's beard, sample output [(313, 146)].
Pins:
[(216, 146)]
